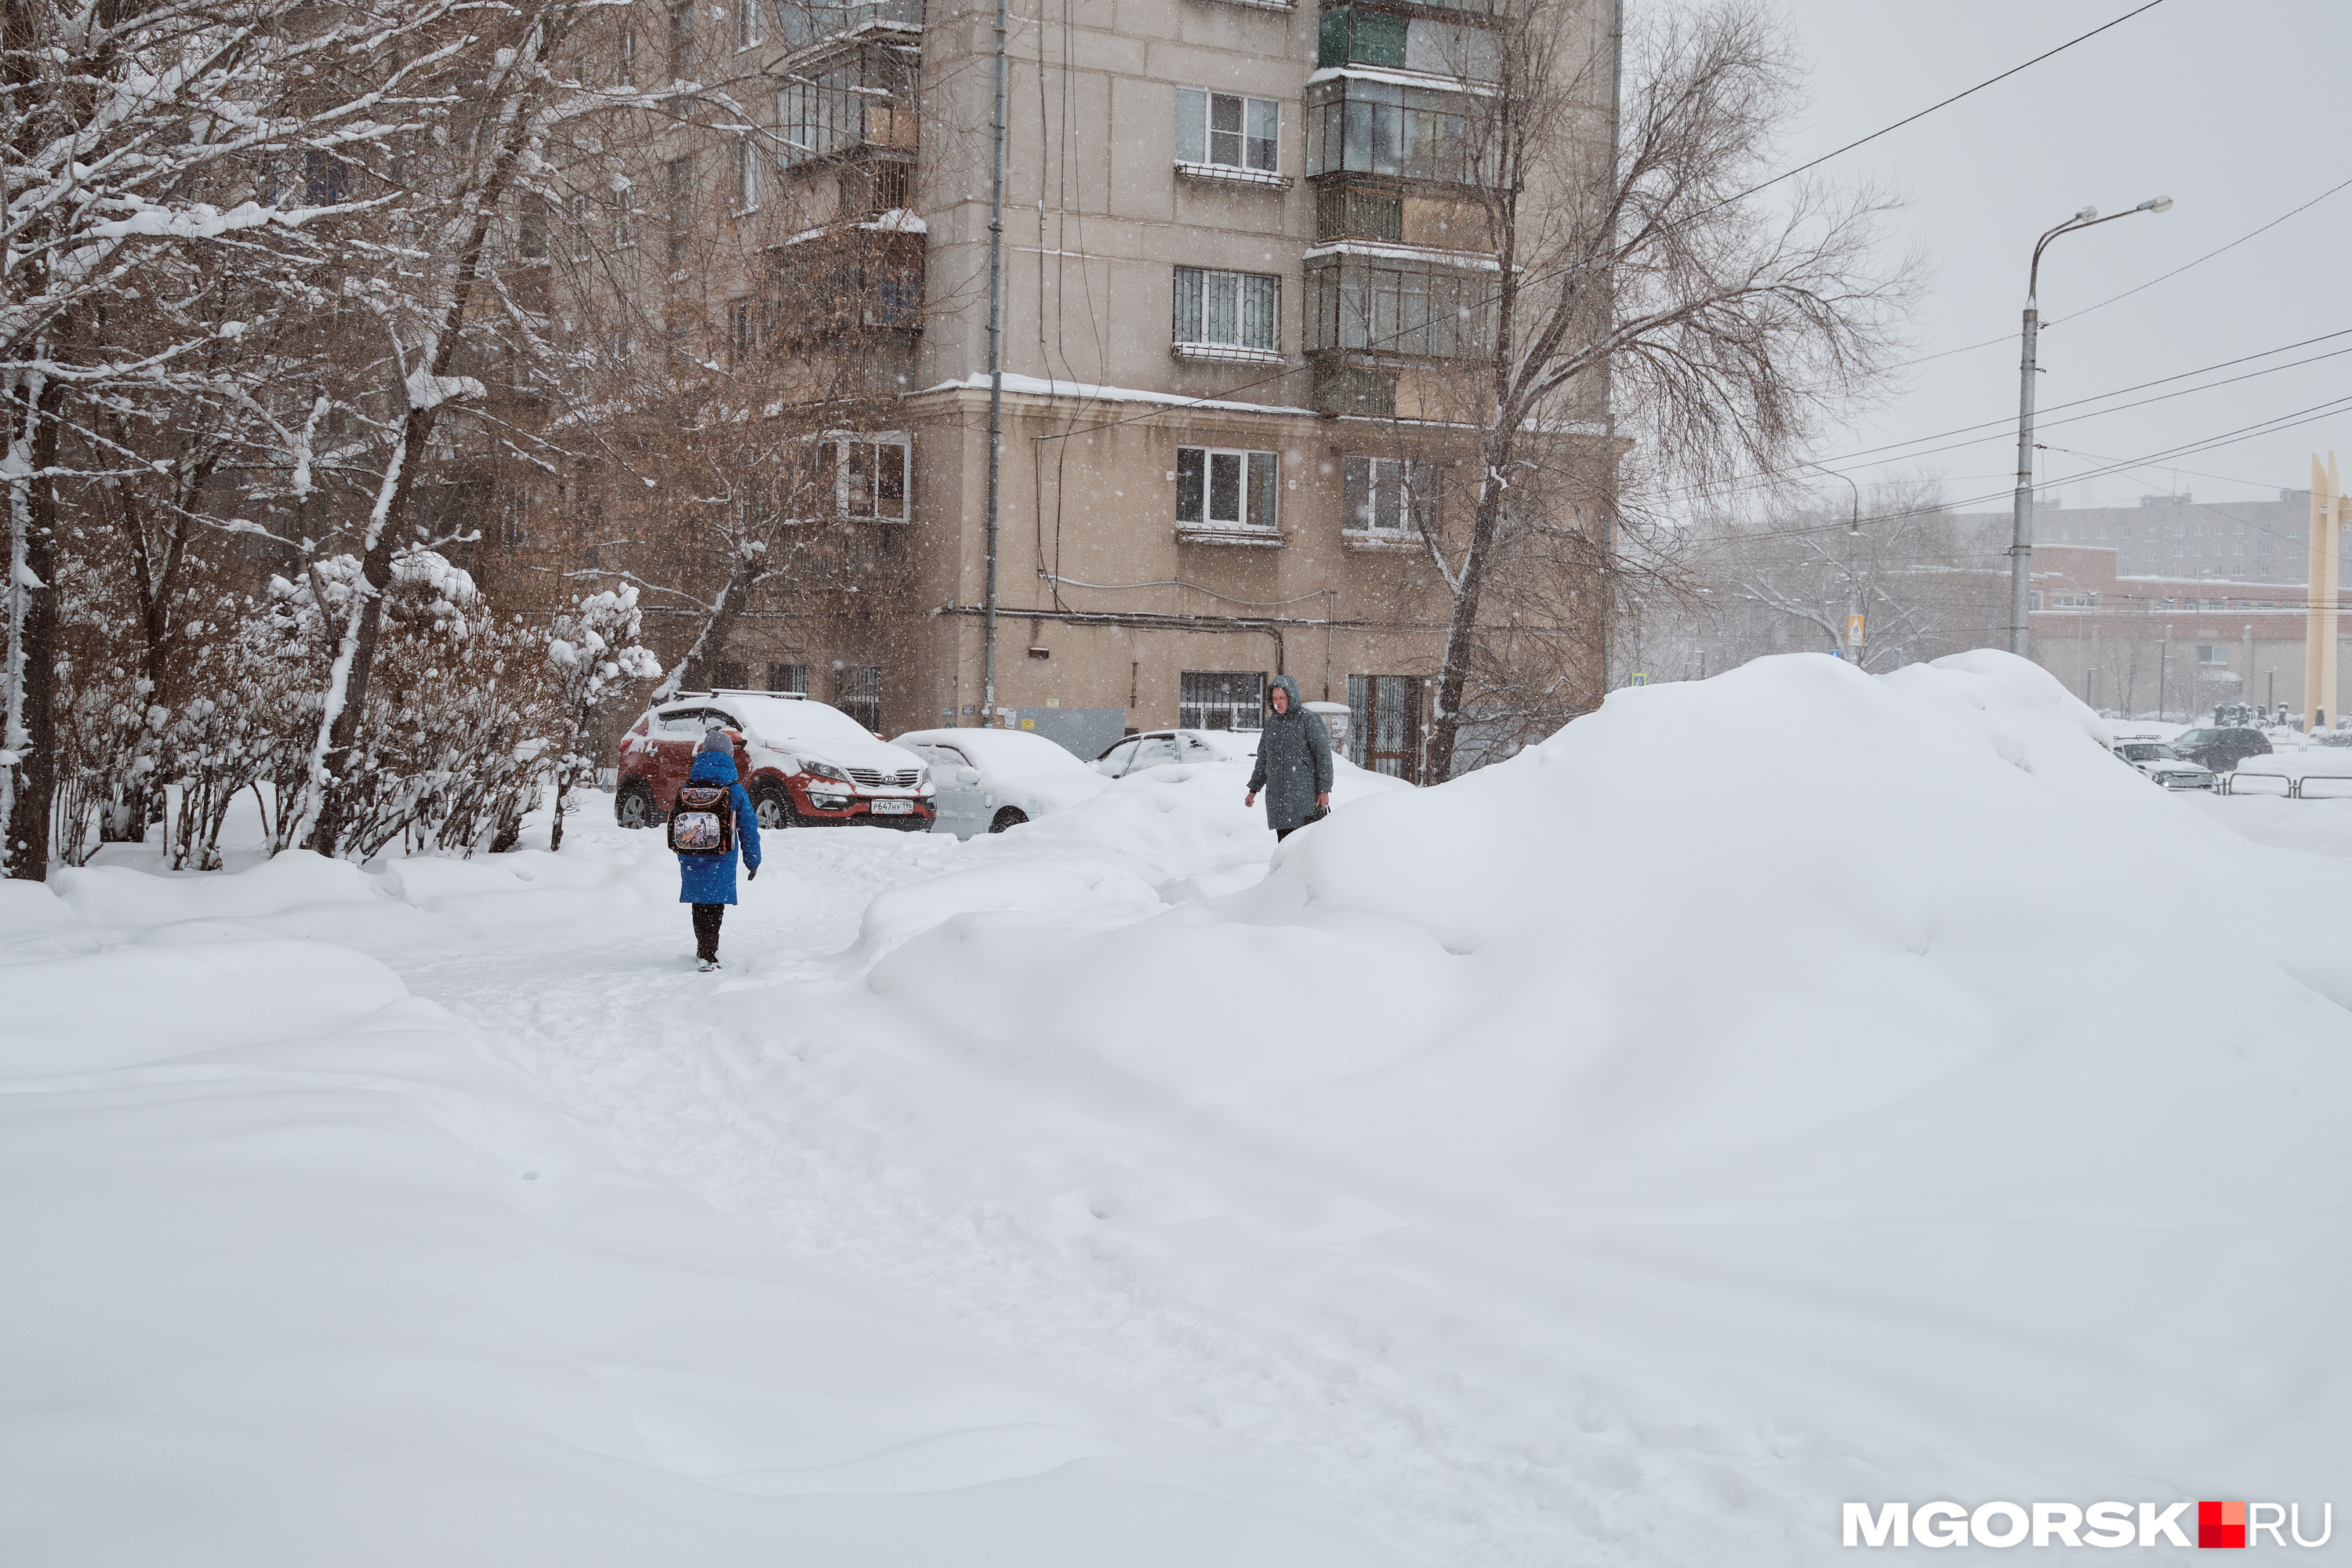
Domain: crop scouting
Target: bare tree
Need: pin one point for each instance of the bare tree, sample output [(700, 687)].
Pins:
[(141, 138), (1647, 276)]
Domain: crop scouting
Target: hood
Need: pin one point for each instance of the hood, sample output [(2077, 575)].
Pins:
[(712, 767), (1288, 683)]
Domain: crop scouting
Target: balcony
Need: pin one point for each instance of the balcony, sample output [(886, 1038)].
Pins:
[(1369, 126), (859, 101), (1376, 212)]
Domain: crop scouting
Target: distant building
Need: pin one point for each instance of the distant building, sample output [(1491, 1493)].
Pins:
[(2174, 644)]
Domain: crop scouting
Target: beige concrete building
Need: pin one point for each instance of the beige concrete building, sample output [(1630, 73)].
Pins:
[(1235, 247)]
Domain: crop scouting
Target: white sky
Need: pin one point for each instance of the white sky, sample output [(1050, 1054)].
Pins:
[(2239, 109)]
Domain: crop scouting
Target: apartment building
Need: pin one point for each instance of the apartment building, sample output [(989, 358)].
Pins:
[(1243, 264)]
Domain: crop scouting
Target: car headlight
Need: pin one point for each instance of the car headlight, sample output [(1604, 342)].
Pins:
[(816, 769)]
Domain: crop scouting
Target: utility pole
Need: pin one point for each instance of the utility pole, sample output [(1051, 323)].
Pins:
[(2020, 541), (1853, 619), (995, 381), (2163, 658)]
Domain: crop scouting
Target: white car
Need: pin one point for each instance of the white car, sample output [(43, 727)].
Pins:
[(2155, 759), (992, 780), (1163, 748)]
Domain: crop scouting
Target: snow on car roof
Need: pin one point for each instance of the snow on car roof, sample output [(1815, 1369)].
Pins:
[(1015, 749), (791, 719)]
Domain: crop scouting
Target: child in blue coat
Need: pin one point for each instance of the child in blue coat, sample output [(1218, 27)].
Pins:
[(708, 881)]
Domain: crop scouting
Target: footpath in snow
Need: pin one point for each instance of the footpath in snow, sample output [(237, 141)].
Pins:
[(1793, 1088)]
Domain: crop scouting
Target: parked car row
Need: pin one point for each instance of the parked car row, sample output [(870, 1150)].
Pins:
[(807, 764)]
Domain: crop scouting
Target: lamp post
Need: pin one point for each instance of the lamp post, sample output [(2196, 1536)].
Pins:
[(2021, 545), (1853, 538)]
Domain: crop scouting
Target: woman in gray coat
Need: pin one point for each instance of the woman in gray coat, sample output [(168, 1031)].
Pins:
[(1294, 762)]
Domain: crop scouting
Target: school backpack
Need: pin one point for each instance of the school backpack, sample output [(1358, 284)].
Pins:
[(702, 820)]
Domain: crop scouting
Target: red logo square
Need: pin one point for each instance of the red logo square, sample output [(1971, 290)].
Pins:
[(2221, 1524)]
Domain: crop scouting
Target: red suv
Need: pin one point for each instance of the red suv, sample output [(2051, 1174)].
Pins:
[(805, 763)]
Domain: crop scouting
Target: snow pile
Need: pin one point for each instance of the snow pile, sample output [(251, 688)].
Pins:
[(1787, 1087)]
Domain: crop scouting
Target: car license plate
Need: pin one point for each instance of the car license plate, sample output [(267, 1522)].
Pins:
[(892, 807)]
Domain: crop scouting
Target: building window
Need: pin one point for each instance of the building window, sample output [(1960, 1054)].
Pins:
[(1402, 308), (1225, 489), (681, 41), (1227, 129), (727, 674), (866, 99), (530, 224), (625, 61), (790, 678), (861, 694), (1222, 700), (1381, 128), (746, 174), (576, 210), (326, 179), (1387, 495), (750, 324), (681, 208), (751, 24), (1348, 37), (1384, 724), (1228, 309), (625, 221), (2212, 654), (869, 476)]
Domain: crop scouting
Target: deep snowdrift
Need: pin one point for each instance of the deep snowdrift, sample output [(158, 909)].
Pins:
[(1785, 1089), (1792, 1087)]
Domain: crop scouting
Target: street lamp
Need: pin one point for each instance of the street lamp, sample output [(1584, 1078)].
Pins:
[(2021, 543), (1853, 538)]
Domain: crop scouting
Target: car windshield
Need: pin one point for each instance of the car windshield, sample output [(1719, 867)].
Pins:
[(781, 718), (2199, 737), (2142, 751)]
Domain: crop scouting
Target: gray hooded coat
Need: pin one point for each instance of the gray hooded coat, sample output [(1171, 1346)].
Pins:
[(1293, 761)]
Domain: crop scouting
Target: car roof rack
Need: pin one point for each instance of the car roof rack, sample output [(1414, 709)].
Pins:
[(739, 691)]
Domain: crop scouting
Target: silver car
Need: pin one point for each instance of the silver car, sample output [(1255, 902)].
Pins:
[(2155, 759)]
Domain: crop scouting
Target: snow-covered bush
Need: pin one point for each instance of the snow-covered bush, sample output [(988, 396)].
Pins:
[(592, 654), (459, 708)]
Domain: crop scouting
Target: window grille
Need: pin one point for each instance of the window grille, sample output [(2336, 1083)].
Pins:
[(1217, 488), (1384, 724), (1221, 700), (1348, 213), (1232, 309), (788, 677), (1227, 129), (729, 675), (861, 694), (751, 23)]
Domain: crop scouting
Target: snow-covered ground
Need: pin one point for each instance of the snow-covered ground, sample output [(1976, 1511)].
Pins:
[(1775, 1091)]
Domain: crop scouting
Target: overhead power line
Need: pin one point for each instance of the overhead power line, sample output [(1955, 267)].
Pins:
[(1287, 371)]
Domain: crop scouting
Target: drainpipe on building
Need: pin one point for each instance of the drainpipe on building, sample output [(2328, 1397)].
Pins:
[(995, 379)]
